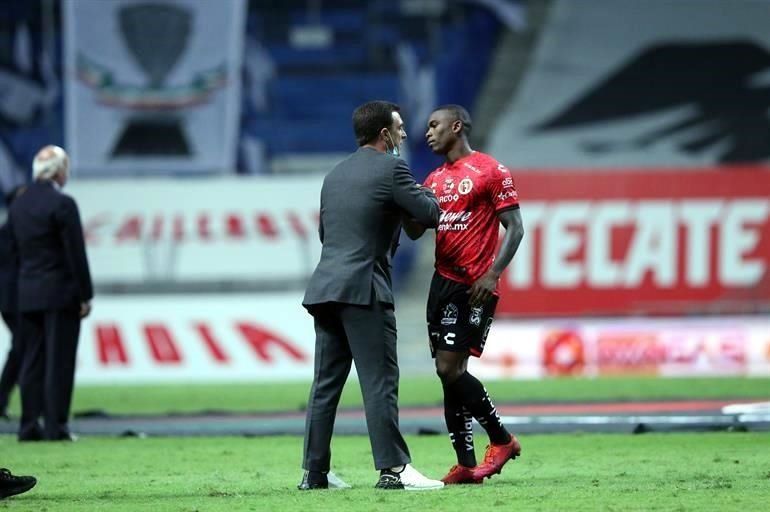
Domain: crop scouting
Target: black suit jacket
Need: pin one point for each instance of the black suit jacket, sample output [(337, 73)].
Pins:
[(362, 201), (7, 270), (48, 238)]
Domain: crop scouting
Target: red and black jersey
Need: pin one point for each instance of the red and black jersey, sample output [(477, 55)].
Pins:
[(471, 191)]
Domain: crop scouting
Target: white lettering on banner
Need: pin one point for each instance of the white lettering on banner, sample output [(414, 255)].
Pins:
[(699, 216), (102, 228), (196, 338), (522, 271), (606, 244), (561, 241), (653, 248), (164, 347), (739, 239), (602, 270)]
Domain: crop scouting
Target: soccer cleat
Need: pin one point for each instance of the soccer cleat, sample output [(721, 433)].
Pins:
[(459, 474), (406, 478), (496, 457), (10, 485)]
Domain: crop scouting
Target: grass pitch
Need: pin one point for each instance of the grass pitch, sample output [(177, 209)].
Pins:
[(699, 472), (612, 472)]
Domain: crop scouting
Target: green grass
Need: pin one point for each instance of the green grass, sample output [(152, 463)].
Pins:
[(714, 471), (651, 472), (414, 391)]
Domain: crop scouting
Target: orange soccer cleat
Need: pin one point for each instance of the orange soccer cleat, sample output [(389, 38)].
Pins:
[(461, 475), (496, 457)]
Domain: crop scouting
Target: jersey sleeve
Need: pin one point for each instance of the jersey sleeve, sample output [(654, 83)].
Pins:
[(502, 189)]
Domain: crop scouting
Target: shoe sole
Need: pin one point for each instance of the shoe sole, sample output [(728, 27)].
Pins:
[(432, 488)]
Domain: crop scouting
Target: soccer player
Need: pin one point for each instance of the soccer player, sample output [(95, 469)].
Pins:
[(476, 195)]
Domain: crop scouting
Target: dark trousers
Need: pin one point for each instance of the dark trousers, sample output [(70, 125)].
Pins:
[(49, 342), (10, 375), (366, 335)]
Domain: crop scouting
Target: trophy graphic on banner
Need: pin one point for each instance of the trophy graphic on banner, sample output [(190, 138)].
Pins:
[(156, 35)]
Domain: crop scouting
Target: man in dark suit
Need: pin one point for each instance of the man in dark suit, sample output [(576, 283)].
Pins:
[(350, 296), (10, 374), (54, 295)]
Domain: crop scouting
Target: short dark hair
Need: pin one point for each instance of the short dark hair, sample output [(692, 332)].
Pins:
[(370, 118), (460, 114)]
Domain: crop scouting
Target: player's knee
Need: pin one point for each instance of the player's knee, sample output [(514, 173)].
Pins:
[(447, 371)]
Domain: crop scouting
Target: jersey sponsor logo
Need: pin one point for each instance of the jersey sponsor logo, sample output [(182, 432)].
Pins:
[(507, 182), (507, 194), (475, 318), (449, 185), (484, 336), (450, 315), (465, 186), (454, 221), (448, 198), (453, 227), (462, 216)]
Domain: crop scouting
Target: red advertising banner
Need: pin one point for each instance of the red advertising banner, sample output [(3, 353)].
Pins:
[(641, 242)]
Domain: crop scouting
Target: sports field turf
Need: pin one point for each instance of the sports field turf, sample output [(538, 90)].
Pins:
[(723, 471), (687, 471)]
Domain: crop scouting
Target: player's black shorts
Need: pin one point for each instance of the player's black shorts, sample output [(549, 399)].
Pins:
[(452, 324)]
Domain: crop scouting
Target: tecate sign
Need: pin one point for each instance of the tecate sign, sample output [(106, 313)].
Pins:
[(668, 242)]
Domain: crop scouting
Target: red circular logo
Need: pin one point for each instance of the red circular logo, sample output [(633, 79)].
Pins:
[(563, 353)]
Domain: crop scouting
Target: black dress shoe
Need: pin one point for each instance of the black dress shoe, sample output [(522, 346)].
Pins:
[(10, 485), (32, 435), (313, 480)]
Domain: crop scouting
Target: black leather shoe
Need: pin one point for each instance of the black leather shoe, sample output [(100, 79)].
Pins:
[(11, 485), (313, 480), (30, 436)]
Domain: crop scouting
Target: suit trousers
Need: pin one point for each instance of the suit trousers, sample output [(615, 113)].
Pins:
[(49, 343), (365, 335), (10, 374)]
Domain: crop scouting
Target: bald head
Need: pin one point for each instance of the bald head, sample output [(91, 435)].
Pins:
[(51, 163)]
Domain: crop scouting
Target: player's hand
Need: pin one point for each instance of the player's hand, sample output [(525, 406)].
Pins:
[(85, 309), (483, 289)]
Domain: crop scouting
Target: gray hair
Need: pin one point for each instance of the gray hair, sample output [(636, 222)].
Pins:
[(49, 161)]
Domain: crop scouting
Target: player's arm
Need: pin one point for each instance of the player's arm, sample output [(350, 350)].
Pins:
[(483, 289), (412, 228)]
